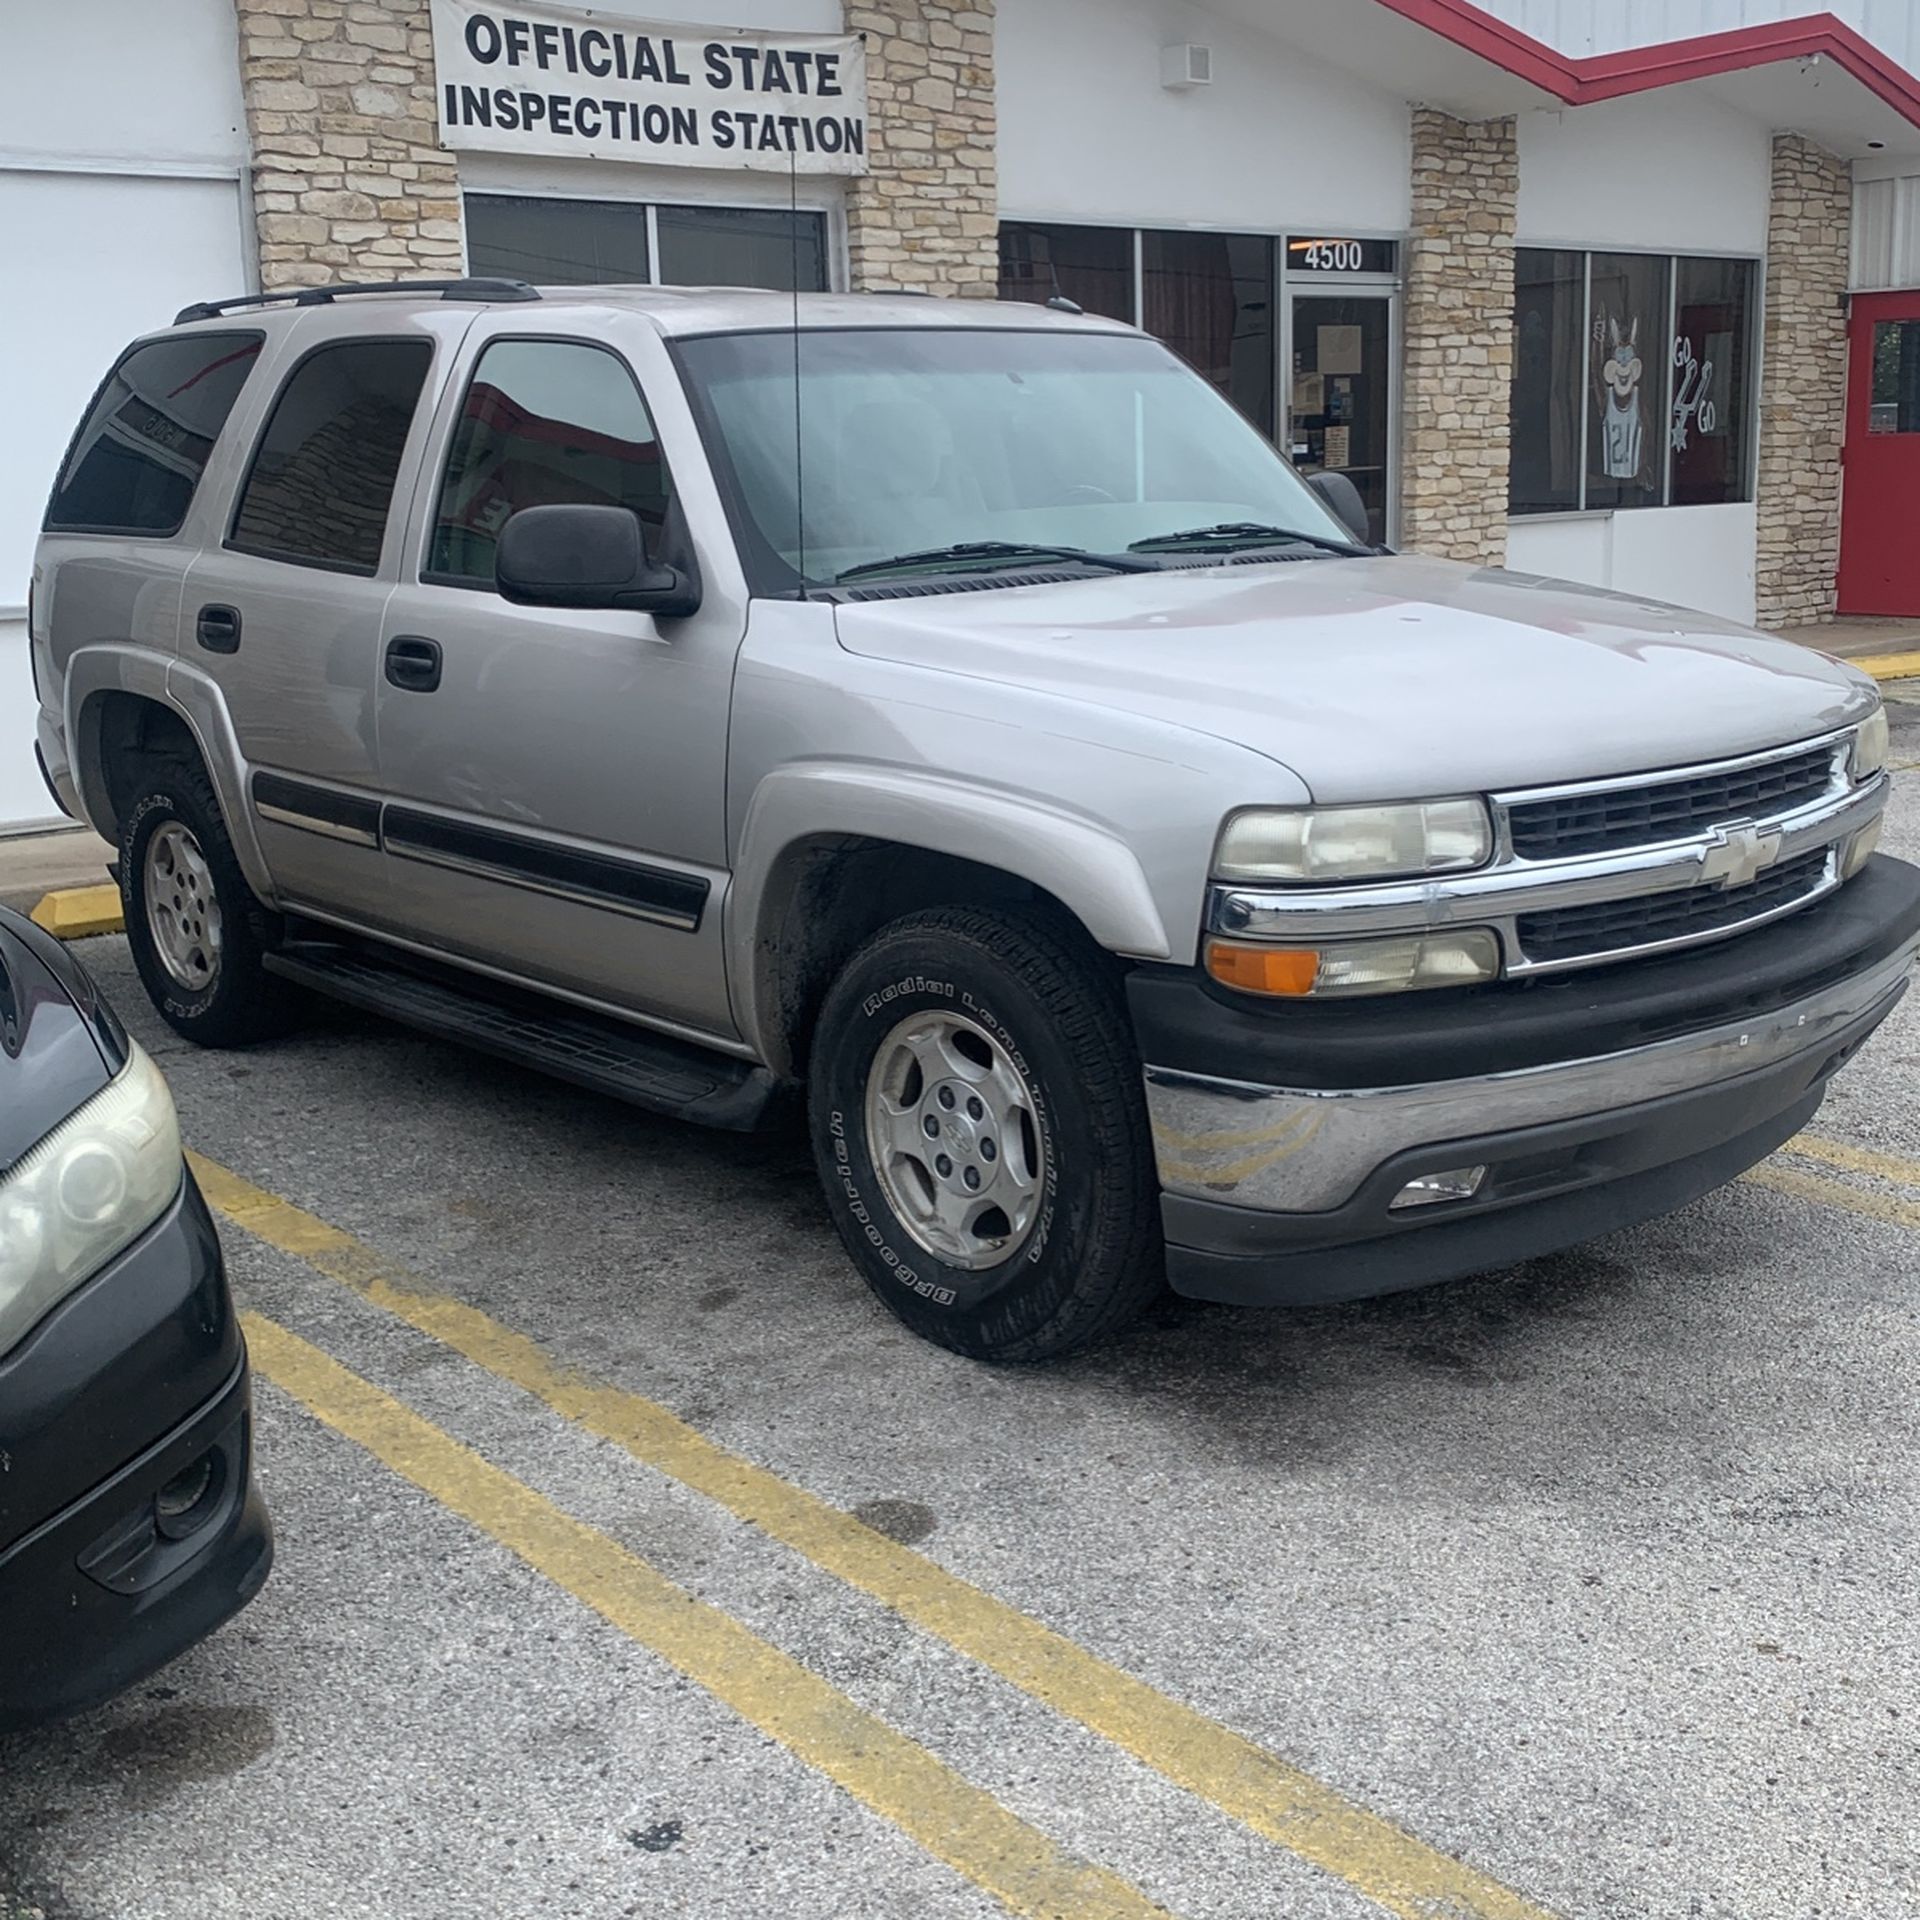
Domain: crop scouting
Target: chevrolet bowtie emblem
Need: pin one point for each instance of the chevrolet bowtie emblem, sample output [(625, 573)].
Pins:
[(1738, 855)]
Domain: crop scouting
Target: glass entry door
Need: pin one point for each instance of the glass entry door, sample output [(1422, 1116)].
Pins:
[(1341, 394)]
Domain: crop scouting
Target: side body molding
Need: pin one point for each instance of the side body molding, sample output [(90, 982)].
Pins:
[(1094, 874)]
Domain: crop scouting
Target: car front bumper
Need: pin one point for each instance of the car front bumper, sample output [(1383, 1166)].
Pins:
[(137, 1379), (1592, 1102)]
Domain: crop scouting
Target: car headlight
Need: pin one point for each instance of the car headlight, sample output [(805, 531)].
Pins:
[(1402, 964), (1297, 846), (1870, 745), (90, 1188)]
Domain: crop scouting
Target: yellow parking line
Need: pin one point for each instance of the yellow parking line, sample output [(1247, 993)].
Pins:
[(1284, 1804), (1887, 666), (1834, 1193), (1835, 1153), (955, 1821)]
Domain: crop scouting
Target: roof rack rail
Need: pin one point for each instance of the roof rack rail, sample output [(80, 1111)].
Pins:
[(322, 296)]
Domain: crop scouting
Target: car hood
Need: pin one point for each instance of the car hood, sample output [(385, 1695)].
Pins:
[(1388, 677), (57, 1044)]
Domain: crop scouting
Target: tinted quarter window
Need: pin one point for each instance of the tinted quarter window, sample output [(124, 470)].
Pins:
[(544, 423), (147, 438), (323, 473)]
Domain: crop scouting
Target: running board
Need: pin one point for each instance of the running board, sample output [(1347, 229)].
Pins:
[(650, 1070)]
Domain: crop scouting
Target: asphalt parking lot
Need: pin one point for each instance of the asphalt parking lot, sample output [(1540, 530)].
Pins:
[(633, 1561)]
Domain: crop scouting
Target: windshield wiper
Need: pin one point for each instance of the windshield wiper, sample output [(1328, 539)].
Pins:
[(989, 553), (1232, 534)]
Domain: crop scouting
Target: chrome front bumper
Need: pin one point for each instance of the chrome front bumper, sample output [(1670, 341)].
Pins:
[(1296, 1150)]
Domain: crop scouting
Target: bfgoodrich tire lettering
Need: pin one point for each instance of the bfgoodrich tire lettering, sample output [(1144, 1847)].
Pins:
[(1049, 1007), (240, 1002)]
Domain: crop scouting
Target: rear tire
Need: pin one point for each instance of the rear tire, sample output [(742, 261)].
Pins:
[(196, 928), (979, 1126)]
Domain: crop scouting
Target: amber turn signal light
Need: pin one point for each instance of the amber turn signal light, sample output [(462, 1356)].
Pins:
[(1284, 970)]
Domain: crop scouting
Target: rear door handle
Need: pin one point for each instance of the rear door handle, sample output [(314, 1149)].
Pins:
[(218, 629), (413, 662)]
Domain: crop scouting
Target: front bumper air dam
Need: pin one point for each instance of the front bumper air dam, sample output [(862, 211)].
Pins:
[(1278, 1193), (94, 1599)]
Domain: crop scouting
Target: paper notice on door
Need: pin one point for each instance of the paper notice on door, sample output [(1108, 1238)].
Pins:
[(1309, 393), (1337, 446), (1338, 349)]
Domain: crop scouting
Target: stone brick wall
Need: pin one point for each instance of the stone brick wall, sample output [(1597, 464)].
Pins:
[(1803, 391), (926, 217), (349, 180), (1458, 333)]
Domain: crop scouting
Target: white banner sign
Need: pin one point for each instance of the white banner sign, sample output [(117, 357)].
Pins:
[(534, 78)]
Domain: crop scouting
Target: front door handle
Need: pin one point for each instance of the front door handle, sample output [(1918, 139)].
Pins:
[(218, 629), (413, 662)]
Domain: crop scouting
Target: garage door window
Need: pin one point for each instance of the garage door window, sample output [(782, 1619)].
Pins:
[(323, 474), (146, 439), (544, 423)]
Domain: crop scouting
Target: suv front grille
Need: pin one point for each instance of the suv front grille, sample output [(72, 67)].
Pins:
[(1639, 816), (1613, 926)]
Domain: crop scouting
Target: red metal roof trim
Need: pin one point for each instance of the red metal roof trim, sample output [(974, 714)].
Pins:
[(1607, 76)]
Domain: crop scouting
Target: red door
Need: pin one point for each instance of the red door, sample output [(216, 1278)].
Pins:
[(1880, 502)]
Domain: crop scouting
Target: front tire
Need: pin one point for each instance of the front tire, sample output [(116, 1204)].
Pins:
[(196, 928), (978, 1123)]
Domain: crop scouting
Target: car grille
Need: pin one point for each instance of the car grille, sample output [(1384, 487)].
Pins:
[(1611, 926), (1638, 816)]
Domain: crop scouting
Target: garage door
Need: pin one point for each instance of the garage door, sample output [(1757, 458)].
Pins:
[(112, 255)]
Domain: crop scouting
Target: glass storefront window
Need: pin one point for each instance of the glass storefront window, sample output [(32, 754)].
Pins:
[(555, 242), (1091, 266), (742, 247), (1209, 296), (1626, 379), (1549, 313), (558, 243), (1708, 417), (1633, 381)]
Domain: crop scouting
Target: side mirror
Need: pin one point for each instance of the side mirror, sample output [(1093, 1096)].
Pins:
[(1343, 497), (586, 557)]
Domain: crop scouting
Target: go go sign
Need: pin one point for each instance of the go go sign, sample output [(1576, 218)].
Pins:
[(535, 78)]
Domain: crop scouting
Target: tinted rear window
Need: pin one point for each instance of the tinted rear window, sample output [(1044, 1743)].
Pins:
[(323, 474), (147, 437)]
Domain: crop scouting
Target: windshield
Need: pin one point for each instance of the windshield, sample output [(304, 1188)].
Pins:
[(933, 437)]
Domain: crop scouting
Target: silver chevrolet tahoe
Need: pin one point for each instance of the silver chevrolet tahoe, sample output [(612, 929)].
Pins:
[(957, 716)]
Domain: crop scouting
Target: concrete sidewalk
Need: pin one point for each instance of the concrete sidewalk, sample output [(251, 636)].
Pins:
[(33, 865), (1883, 647)]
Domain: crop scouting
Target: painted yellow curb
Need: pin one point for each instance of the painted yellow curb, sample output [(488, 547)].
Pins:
[(75, 912), (1888, 666)]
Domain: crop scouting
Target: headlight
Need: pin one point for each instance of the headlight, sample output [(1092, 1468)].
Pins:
[(93, 1185), (1305, 845), (1402, 965), (1870, 745)]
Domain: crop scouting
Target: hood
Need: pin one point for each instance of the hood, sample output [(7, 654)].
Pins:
[(1386, 678), (58, 1046)]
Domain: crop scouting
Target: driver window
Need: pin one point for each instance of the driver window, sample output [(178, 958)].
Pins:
[(544, 423)]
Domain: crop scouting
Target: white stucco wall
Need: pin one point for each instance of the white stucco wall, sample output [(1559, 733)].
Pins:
[(1699, 557), (125, 211), (1636, 174), (1087, 132), (161, 82)]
